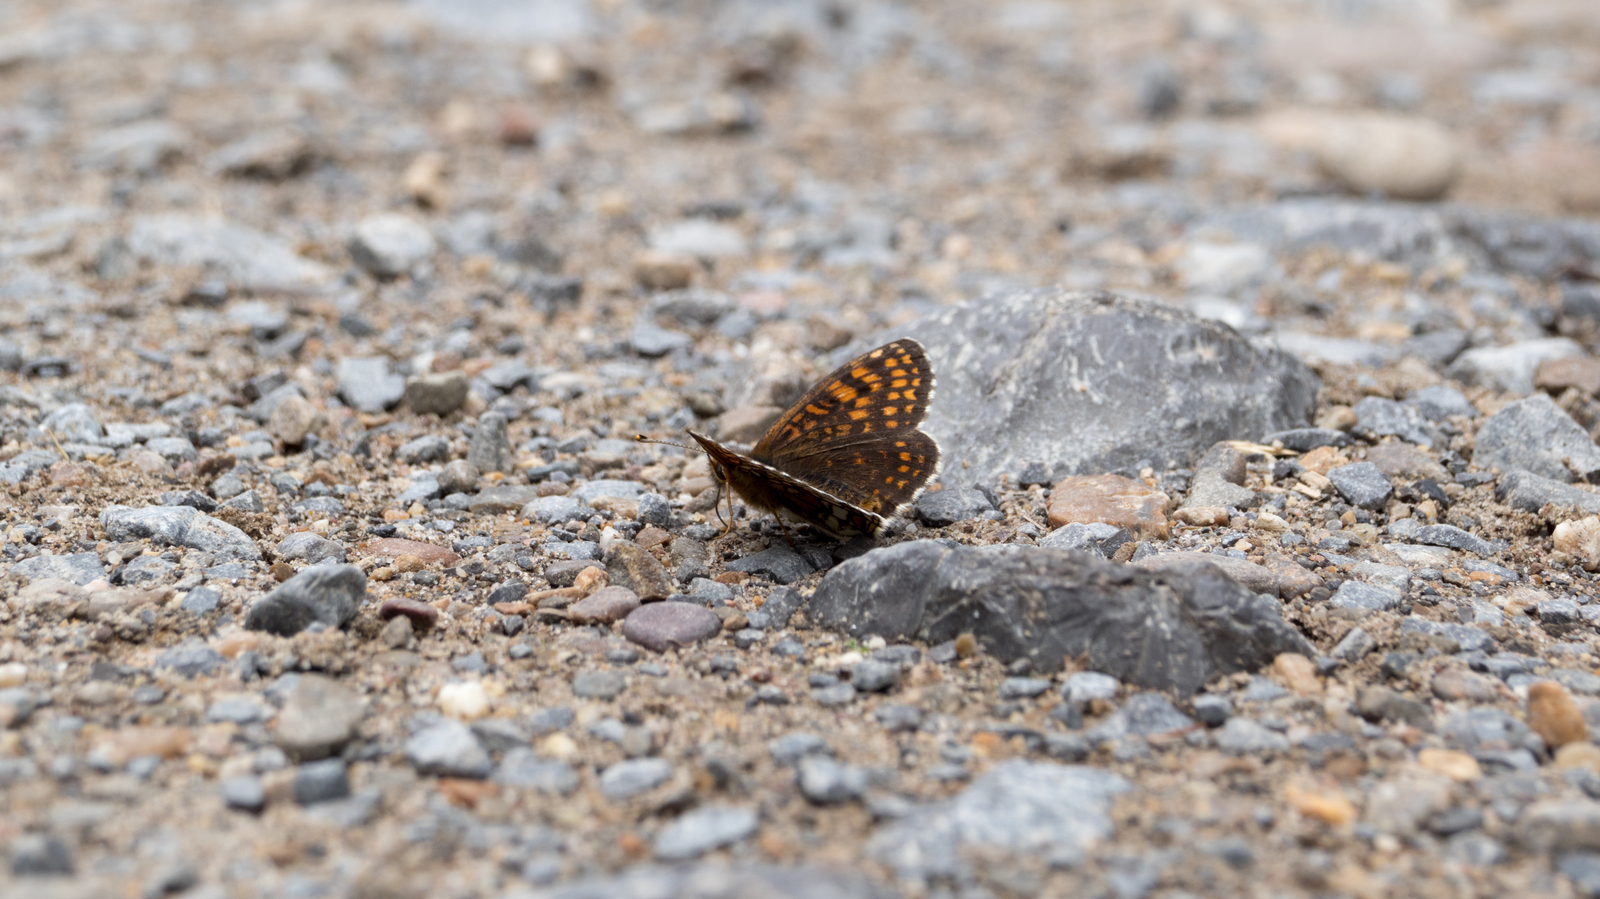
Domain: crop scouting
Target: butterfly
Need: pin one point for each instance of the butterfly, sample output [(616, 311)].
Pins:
[(847, 457)]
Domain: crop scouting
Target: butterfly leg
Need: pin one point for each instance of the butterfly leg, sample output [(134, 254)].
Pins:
[(785, 528), (731, 520)]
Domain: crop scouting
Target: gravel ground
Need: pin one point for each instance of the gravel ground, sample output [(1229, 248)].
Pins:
[(1260, 562)]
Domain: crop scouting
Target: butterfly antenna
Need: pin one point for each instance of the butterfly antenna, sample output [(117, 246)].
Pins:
[(640, 438)]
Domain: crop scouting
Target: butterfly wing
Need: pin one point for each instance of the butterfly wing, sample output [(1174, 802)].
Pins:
[(855, 434), (767, 488)]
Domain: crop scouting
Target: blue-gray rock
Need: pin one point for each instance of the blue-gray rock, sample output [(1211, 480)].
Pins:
[(321, 781), (508, 375), (179, 526), (1383, 418), (1467, 637), (706, 828), (627, 779), (1510, 367), (1163, 385), (38, 855), (248, 501), (1529, 492), (244, 793), (1584, 683), (427, 448), (191, 658), (945, 507), (1144, 715), (779, 562), (1242, 736), (1438, 402), (556, 510), (655, 509), (593, 490), (236, 709), (1453, 537), (448, 748), (1535, 435), (73, 423), (1144, 627), (1366, 597), (780, 606), (1096, 537), (1038, 810), (1023, 687), (201, 601), (713, 880), (326, 593), (388, 245), (598, 684), (824, 781), (79, 568), (1483, 727), (1304, 440), (874, 676), (1561, 612), (522, 768), (1354, 646), (320, 506), (145, 570), (651, 340), (304, 546), (174, 449), (368, 384), (1437, 348), (1362, 485), (491, 445), (1583, 869), (790, 748)]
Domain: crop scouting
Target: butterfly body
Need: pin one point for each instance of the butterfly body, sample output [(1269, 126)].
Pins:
[(849, 455)]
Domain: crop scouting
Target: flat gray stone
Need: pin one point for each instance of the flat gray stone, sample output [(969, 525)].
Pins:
[(179, 526), (326, 593), (706, 828), (627, 779), (450, 749), (1536, 435), (79, 568)]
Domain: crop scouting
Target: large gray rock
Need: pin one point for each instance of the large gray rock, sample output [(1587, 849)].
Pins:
[(1148, 628), (714, 880), (1093, 381), (1056, 813), (179, 526), (1535, 435), (246, 259), (326, 593), (1527, 491)]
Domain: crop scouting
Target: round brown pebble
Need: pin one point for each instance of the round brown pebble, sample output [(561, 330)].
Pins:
[(1554, 716), (663, 625)]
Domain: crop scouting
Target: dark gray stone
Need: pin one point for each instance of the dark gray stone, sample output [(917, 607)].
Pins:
[(655, 509), (321, 781), (1362, 485), (326, 593), (1023, 687), (1242, 736), (244, 793), (556, 510), (191, 498), (1144, 627), (1529, 492), (1453, 537), (38, 855), (780, 606), (491, 445), (1096, 537), (1213, 710), (874, 676), (388, 245), (1144, 715), (946, 507), (201, 601), (778, 562), (191, 658), (652, 340), (1164, 386), (427, 448), (1384, 418), (1535, 435), (1304, 440)]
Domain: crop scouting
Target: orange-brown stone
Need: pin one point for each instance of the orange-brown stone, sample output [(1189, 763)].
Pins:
[(394, 547), (1553, 715), (1110, 499)]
